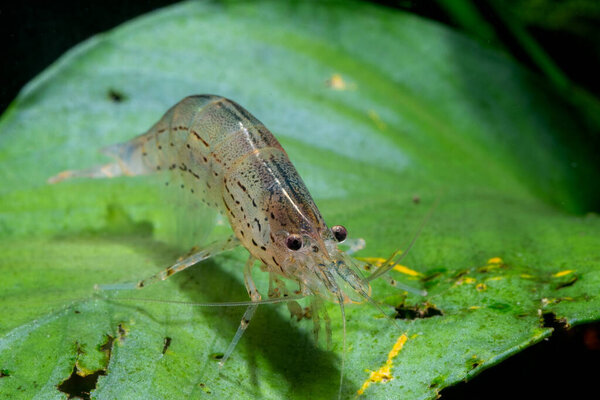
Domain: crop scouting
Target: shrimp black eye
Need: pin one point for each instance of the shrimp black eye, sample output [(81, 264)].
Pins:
[(339, 232), (293, 242)]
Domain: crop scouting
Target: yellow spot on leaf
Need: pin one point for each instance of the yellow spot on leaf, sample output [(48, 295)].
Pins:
[(384, 374), (562, 273), (474, 307), (336, 82), (378, 262), (481, 287), (406, 270), (495, 260), (526, 276), (467, 279), (496, 278)]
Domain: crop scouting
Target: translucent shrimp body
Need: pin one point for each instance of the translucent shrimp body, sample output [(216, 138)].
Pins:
[(230, 161)]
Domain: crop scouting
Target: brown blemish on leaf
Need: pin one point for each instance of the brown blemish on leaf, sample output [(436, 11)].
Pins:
[(425, 310), (82, 382), (166, 345)]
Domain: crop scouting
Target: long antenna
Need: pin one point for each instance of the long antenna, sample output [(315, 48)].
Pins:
[(222, 304), (341, 301), (390, 263)]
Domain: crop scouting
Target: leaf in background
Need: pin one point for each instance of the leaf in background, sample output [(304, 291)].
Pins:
[(382, 113)]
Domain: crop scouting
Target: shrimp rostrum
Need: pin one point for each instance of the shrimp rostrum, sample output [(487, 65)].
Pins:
[(230, 161)]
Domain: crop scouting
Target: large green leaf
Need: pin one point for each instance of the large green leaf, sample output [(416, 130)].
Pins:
[(382, 113)]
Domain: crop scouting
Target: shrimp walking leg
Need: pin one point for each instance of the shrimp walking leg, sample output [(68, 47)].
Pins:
[(209, 251), (354, 245), (254, 296), (101, 171)]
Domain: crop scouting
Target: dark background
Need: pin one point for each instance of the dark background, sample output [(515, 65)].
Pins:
[(33, 34)]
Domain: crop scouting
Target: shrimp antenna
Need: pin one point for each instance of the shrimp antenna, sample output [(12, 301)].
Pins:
[(343, 312), (366, 296), (390, 263), (374, 303), (222, 304)]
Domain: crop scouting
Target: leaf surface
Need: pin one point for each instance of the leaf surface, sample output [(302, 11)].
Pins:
[(382, 113)]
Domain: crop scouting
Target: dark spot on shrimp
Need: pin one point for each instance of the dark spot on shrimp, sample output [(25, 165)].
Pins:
[(172, 144), (161, 130), (272, 237), (315, 249), (172, 166), (158, 167), (275, 261), (254, 243), (263, 248), (116, 96), (242, 233), (272, 215), (226, 206), (258, 224), (159, 147), (170, 271), (205, 159), (192, 190), (200, 138), (144, 153), (183, 167), (187, 145), (253, 203), (237, 202), (242, 186), (208, 185), (182, 185)]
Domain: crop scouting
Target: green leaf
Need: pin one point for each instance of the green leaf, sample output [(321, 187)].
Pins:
[(382, 113)]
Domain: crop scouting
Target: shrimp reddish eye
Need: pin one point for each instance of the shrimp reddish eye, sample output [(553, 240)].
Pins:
[(339, 232), (293, 242)]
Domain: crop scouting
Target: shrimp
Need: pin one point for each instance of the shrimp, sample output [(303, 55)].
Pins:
[(230, 161)]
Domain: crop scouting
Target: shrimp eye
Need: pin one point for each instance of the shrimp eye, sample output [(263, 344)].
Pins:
[(339, 232), (293, 242)]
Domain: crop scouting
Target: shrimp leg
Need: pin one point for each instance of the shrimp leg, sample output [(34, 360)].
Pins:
[(254, 296), (102, 171), (128, 162), (354, 245), (209, 251)]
